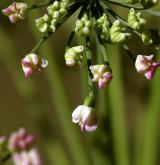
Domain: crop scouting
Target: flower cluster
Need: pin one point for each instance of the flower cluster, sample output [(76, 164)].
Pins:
[(20, 146), (101, 74), (96, 19), (33, 63), (74, 55), (55, 11), (83, 26), (16, 11)]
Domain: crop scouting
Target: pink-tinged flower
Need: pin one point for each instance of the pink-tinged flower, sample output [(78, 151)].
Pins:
[(86, 117), (15, 11), (101, 74), (20, 140), (32, 63), (145, 65), (27, 158)]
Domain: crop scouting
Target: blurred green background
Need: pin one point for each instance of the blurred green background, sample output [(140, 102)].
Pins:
[(128, 110)]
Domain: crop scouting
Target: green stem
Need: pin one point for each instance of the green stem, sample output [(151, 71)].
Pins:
[(71, 36), (129, 53), (41, 41), (89, 60), (103, 49)]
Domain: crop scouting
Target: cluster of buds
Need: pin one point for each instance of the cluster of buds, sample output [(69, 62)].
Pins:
[(117, 33), (20, 140), (83, 26), (33, 63), (16, 11), (135, 21), (74, 55), (101, 74), (103, 26), (146, 66), (20, 146), (145, 3), (55, 11), (85, 116)]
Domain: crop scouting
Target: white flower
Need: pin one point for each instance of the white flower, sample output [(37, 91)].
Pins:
[(86, 117)]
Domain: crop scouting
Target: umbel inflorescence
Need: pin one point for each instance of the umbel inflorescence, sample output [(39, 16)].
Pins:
[(96, 18)]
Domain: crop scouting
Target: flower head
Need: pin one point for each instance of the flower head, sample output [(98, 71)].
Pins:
[(101, 74), (20, 140), (16, 11), (32, 63), (146, 66), (27, 158), (86, 117)]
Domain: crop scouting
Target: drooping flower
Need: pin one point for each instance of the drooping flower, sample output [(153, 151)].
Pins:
[(30, 157), (101, 74), (145, 65), (16, 11), (20, 140), (73, 55), (86, 117), (33, 63)]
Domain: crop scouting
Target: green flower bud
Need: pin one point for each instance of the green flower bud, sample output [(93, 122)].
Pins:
[(42, 23), (133, 1), (83, 26), (149, 3), (146, 38), (57, 9), (73, 55), (135, 21), (116, 33), (103, 25)]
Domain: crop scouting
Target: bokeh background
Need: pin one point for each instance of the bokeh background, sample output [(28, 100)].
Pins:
[(128, 109)]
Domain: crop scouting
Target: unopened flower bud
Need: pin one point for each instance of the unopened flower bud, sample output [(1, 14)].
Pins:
[(57, 9), (43, 23), (146, 38), (135, 20), (86, 117), (146, 66), (83, 26), (103, 25), (101, 74), (30, 157), (16, 11), (33, 63), (73, 55), (116, 33)]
